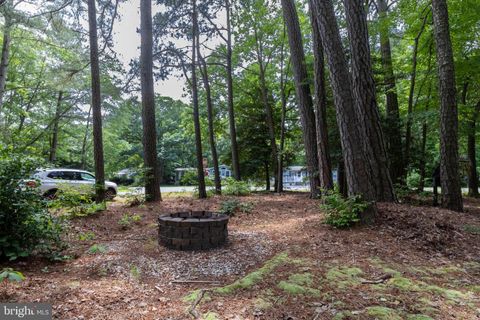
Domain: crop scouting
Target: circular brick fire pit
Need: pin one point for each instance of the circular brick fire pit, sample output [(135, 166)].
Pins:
[(195, 230)]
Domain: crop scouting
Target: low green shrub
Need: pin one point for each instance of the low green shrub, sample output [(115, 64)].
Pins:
[(26, 226), (75, 203), (233, 187), (10, 275), (231, 206), (413, 179), (97, 248), (342, 212), (127, 220)]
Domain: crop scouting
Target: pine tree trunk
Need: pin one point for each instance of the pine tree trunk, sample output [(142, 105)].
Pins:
[(364, 94), (202, 192), (304, 97), (357, 171), (393, 125), (320, 105), (449, 168), (53, 147), (283, 100), (413, 77), (423, 154), (83, 163), (231, 110), (96, 105), (152, 181), (471, 146), (4, 58), (211, 132), (267, 107)]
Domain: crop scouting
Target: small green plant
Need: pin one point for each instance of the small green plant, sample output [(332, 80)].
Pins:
[(231, 206), (75, 203), (134, 271), (235, 188), (86, 236), (10, 275), (127, 220), (97, 248), (189, 178), (413, 179), (342, 212), (134, 200)]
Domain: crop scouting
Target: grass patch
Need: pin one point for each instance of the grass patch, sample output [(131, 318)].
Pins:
[(383, 313), (255, 276), (470, 228), (299, 283), (344, 277)]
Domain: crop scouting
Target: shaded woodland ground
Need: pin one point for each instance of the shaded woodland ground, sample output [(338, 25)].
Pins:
[(282, 262)]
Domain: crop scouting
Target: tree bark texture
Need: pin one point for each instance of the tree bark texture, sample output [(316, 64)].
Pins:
[(202, 193), (357, 171), (96, 104), (231, 110), (320, 105), (304, 97), (365, 102), (152, 181), (211, 131), (393, 125), (450, 180), (53, 146)]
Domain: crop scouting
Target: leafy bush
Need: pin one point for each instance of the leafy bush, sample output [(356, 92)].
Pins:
[(342, 212), (127, 219), (8, 274), (413, 179), (134, 199), (235, 188), (189, 178), (26, 227), (75, 203), (231, 206), (97, 248)]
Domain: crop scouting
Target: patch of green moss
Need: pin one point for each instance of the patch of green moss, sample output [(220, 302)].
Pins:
[(445, 270), (210, 316), (301, 279), (344, 277), (343, 315), (295, 289), (193, 296), (255, 276), (475, 289), (450, 294), (377, 262), (262, 304), (383, 313), (403, 283), (418, 317)]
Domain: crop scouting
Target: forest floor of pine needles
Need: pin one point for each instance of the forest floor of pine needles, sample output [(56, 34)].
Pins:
[(282, 262)]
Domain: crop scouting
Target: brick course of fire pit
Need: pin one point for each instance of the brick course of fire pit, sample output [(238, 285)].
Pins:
[(194, 230)]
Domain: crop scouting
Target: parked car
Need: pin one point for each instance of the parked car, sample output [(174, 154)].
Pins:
[(53, 180)]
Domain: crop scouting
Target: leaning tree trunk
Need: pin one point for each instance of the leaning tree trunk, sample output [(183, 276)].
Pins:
[(364, 94), (304, 97), (211, 132), (393, 132), (202, 192), (283, 101), (53, 147), (357, 171), (231, 111), (152, 181), (449, 171), (96, 105), (320, 104)]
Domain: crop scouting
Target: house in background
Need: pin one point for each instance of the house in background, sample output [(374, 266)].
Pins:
[(225, 172), (298, 176)]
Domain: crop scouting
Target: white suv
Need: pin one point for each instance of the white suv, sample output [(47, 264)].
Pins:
[(52, 180)]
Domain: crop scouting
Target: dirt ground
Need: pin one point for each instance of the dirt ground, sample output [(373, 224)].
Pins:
[(282, 262)]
